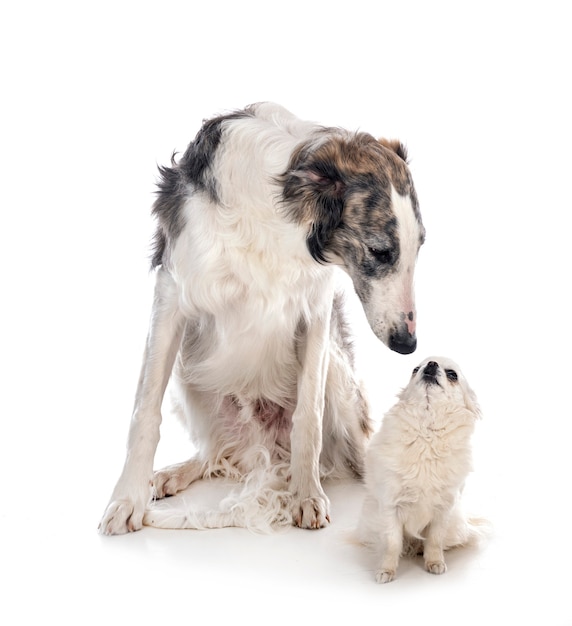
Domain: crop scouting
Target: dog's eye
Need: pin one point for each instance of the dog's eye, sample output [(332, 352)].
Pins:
[(384, 257), (452, 375), (415, 370)]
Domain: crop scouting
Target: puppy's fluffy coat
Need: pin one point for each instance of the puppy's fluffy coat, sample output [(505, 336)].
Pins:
[(416, 466)]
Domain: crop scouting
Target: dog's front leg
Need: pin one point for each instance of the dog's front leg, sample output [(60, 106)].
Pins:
[(433, 552), (390, 545), (133, 489), (310, 506)]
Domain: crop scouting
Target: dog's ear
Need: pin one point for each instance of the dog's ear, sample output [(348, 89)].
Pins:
[(328, 198), (395, 146), (471, 402), (315, 193), (325, 182)]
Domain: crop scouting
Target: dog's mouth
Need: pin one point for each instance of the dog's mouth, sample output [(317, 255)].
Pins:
[(430, 373)]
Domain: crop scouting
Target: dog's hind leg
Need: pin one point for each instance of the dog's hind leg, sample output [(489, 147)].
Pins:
[(174, 478), (347, 422), (133, 489)]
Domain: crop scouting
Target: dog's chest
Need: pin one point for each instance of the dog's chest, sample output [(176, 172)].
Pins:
[(427, 474), (248, 347), (244, 266), (427, 457), (248, 290)]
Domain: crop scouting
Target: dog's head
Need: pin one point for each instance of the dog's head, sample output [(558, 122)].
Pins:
[(356, 198), (438, 381)]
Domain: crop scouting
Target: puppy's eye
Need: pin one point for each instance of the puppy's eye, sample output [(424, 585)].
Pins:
[(452, 375), (384, 257), (414, 371)]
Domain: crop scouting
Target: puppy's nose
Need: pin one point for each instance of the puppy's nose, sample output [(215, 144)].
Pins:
[(431, 368)]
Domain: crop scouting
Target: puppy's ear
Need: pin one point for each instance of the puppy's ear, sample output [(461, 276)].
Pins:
[(471, 402), (396, 146)]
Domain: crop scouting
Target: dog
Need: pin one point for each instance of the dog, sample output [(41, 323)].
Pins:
[(416, 466), (248, 322)]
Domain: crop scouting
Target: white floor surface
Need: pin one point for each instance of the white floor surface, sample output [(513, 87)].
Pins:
[(95, 95)]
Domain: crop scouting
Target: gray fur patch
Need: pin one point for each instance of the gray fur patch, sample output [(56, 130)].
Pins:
[(191, 174)]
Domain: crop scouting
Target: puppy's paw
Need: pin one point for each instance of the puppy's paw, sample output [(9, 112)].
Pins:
[(436, 567), (120, 517), (311, 512), (384, 576)]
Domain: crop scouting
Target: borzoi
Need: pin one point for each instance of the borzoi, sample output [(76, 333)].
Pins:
[(248, 323)]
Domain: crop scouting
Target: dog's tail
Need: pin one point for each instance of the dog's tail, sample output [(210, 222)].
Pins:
[(262, 503), (463, 531), (467, 530)]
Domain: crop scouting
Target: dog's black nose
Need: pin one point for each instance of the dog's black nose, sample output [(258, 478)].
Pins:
[(404, 343), (431, 367), (430, 371)]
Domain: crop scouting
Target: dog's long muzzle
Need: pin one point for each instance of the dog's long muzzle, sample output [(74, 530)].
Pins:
[(403, 341)]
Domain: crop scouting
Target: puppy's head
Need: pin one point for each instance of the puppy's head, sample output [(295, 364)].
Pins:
[(438, 381)]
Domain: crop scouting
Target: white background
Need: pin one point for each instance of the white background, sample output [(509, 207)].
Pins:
[(95, 95)]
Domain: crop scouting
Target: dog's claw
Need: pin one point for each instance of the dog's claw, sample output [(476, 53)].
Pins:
[(436, 567), (384, 576), (311, 513), (120, 517)]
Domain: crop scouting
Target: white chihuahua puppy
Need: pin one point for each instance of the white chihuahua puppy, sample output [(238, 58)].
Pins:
[(416, 466)]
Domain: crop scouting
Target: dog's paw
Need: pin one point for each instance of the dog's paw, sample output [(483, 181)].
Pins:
[(311, 512), (436, 567), (384, 576), (120, 517), (167, 482)]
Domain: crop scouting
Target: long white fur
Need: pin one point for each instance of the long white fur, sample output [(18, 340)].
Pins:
[(230, 277), (416, 466)]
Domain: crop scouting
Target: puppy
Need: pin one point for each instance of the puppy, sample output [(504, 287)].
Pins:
[(416, 466)]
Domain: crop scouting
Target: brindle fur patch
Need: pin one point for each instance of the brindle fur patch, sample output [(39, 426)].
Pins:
[(340, 186)]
